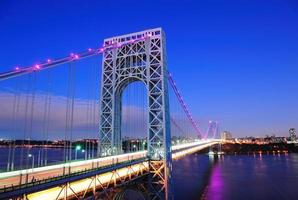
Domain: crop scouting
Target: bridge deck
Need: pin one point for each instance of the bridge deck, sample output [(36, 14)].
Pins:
[(22, 179)]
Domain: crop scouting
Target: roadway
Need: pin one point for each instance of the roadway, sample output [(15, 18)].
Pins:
[(19, 177)]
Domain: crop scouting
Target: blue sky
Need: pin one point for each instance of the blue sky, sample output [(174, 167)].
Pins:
[(234, 61)]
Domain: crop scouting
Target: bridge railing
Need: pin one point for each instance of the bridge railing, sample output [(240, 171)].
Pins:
[(81, 167), (95, 170)]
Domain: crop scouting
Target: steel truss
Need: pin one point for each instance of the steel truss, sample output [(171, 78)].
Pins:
[(98, 186), (138, 60)]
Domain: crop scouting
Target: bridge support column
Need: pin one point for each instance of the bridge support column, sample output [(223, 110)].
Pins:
[(138, 57)]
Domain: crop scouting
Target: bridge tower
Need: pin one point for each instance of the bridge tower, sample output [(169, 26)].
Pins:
[(140, 57)]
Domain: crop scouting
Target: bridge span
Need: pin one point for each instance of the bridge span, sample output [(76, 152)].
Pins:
[(44, 102), (77, 179)]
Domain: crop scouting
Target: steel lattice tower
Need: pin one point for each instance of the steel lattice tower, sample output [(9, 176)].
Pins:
[(141, 57)]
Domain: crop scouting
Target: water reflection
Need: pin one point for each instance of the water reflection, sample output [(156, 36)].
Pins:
[(214, 186), (242, 177)]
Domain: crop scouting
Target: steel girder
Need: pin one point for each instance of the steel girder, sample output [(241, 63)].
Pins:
[(141, 57)]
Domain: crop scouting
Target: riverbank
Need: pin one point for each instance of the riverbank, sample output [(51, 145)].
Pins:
[(259, 148)]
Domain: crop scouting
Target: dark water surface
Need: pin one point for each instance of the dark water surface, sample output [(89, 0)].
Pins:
[(243, 177)]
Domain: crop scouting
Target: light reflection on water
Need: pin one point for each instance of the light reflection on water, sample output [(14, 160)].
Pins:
[(236, 177)]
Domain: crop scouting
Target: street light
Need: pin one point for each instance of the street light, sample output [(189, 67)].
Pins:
[(83, 151), (78, 148), (31, 156)]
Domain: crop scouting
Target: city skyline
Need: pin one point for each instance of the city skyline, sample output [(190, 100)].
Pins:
[(241, 59)]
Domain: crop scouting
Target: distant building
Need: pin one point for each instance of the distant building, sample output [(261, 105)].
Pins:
[(274, 139), (259, 140), (292, 133), (226, 135)]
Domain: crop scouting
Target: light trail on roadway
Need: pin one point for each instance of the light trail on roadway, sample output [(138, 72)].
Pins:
[(20, 177)]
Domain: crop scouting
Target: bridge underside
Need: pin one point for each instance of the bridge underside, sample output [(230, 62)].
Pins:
[(101, 186), (102, 182)]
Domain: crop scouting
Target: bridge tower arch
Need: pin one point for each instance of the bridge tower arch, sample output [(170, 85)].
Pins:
[(141, 57)]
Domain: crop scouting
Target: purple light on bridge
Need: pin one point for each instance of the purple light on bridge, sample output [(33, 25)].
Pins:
[(17, 68), (49, 60), (89, 49), (74, 56), (37, 67)]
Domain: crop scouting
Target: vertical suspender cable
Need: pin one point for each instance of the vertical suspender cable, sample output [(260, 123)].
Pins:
[(25, 122), (88, 113), (18, 97), (16, 102), (66, 138), (73, 67), (93, 103), (31, 124), (24, 145), (40, 162), (48, 118), (95, 107), (9, 155), (88, 103)]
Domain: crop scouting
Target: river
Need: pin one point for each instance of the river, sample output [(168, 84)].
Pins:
[(230, 177)]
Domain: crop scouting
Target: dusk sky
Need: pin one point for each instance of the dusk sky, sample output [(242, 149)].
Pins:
[(234, 61)]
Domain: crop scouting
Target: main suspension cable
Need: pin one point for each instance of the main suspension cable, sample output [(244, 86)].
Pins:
[(182, 103)]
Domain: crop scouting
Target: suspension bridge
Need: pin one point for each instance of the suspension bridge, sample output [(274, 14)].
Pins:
[(54, 111)]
